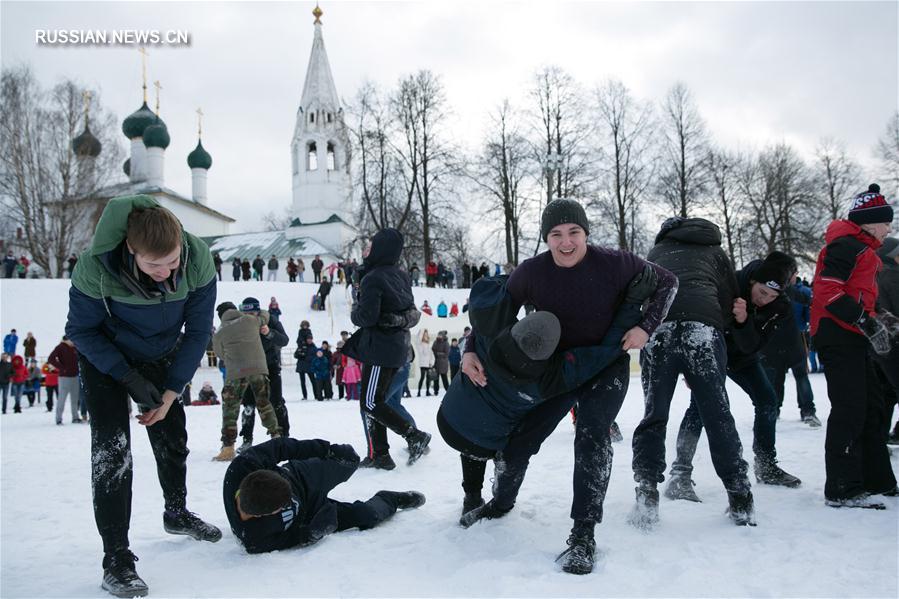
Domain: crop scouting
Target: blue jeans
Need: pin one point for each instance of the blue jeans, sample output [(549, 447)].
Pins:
[(697, 351), (17, 389), (753, 380)]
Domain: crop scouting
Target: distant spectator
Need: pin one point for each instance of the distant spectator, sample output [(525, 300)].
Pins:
[(466, 276), (235, 269), (10, 342), (273, 307), (217, 261), (51, 383), (324, 289), (301, 268), (441, 350), (33, 384), (455, 358), (317, 265), (442, 310), (273, 267), (5, 377), (291, 270), (430, 273), (19, 378), (426, 309), (415, 275), (425, 360), (207, 396), (29, 344), (454, 310), (64, 358), (9, 264), (245, 269), (258, 266), (22, 267)]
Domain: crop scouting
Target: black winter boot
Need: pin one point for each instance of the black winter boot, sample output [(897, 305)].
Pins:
[(488, 511), (863, 501), (741, 509), (645, 514), (471, 501), (119, 576), (681, 487), (381, 461), (418, 445), (404, 500), (769, 473), (182, 522), (580, 555)]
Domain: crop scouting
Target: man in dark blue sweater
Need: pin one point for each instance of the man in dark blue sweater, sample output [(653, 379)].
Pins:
[(582, 285)]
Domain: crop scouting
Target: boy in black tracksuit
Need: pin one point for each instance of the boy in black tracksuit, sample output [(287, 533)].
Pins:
[(384, 291), (272, 507)]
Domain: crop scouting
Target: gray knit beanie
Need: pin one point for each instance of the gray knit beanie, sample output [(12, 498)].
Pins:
[(537, 334)]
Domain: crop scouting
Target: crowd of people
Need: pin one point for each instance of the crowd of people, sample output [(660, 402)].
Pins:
[(507, 382)]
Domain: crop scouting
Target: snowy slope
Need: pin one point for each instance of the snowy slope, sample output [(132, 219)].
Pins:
[(49, 546)]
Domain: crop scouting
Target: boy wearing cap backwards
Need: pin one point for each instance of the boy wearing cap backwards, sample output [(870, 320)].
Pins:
[(582, 285), (385, 291), (844, 325), (272, 506), (237, 342), (525, 369), (760, 307), (141, 281)]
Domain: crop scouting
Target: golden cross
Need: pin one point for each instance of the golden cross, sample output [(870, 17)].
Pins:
[(143, 67), (199, 122), (158, 87)]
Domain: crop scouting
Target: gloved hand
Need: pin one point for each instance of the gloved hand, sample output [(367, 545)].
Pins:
[(343, 453), (876, 332), (143, 392), (401, 320), (642, 286), (891, 321)]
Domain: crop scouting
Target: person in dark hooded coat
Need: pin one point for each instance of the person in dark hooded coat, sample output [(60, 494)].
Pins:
[(384, 290)]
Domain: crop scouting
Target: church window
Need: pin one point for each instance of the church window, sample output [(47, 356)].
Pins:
[(311, 117), (331, 160), (329, 117), (312, 163)]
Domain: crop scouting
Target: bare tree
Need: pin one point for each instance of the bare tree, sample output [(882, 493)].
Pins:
[(837, 176), (500, 173), (683, 177), (625, 134), (43, 183), (420, 108), (721, 167), (562, 131), (274, 221), (888, 152), (779, 191), (377, 162)]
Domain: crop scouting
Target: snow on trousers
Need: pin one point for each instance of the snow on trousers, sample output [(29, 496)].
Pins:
[(753, 380), (856, 458), (231, 394), (699, 352), (376, 440), (275, 397), (111, 461), (68, 387), (365, 514), (375, 384), (598, 404)]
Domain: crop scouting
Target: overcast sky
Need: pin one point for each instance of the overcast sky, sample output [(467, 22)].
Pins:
[(760, 72)]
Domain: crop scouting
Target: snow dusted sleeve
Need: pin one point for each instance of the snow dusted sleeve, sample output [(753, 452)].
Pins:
[(661, 300), (840, 258)]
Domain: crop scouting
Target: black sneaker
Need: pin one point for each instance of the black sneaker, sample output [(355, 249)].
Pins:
[(812, 420), (418, 445), (488, 511), (681, 487), (770, 474), (120, 578), (187, 523), (645, 514), (381, 461), (615, 433), (471, 501), (579, 557), (863, 501), (741, 509), (405, 500)]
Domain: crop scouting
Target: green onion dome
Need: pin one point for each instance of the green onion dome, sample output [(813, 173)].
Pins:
[(86, 144), (157, 135), (138, 121), (199, 158)]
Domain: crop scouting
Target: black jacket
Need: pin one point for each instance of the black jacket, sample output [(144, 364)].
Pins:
[(312, 471), (5, 372), (744, 342), (707, 285), (384, 289), (274, 341), (888, 287)]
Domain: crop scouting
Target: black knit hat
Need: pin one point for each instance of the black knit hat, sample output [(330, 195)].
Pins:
[(870, 207), (224, 307), (249, 304), (775, 271), (561, 212)]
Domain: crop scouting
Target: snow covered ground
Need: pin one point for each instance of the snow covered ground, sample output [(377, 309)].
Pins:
[(49, 546)]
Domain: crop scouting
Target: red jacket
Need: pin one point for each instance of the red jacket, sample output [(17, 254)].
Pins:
[(65, 358), (845, 284), (19, 370), (431, 268), (51, 377)]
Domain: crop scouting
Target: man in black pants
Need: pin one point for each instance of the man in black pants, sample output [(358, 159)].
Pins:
[(142, 280), (384, 290), (272, 507), (690, 342), (273, 339)]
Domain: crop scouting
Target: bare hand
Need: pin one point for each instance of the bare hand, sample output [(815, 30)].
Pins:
[(473, 369), (740, 313), (264, 329), (153, 416), (635, 338)]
